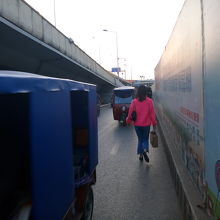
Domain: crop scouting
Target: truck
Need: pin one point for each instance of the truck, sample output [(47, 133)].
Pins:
[(187, 94)]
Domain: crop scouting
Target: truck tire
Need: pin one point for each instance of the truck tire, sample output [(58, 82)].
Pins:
[(88, 209)]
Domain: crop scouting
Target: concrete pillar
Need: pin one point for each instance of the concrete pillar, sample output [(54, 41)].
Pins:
[(106, 94)]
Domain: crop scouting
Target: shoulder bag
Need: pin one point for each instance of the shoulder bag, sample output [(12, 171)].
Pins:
[(134, 115)]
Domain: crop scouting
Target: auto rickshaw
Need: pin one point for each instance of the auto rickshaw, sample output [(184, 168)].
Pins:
[(122, 97), (48, 147)]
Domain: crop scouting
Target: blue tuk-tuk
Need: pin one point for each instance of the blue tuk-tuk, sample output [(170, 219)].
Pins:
[(48, 147)]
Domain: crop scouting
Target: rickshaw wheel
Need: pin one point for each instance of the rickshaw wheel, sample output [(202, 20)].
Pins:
[(24, 212), (88, 209)]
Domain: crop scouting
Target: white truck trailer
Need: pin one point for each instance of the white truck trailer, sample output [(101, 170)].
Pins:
[(187, 96)]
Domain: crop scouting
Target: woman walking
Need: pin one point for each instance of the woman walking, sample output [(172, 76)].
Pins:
[(145, 117)]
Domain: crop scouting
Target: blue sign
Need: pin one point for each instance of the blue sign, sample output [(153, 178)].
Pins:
[(116, 69)]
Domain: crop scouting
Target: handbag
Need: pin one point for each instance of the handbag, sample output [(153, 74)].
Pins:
[(153, 139), (133, 116)]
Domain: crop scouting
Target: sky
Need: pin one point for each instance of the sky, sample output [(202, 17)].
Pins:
[(137, 29)]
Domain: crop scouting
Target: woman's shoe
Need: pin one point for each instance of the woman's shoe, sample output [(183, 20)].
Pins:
[(146, 157), (141, 157)]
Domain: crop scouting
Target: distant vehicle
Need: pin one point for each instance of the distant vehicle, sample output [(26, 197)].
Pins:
[(122, 98), (112, 100), (149, 92), (98, 104), (48, 147)]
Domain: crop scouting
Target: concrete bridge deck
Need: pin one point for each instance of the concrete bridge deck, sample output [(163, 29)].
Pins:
[(30, 43)]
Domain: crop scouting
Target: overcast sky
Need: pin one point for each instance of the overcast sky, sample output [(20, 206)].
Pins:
[(143, 28)]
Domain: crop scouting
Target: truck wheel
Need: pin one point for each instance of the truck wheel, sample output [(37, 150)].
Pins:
[(88, 209)]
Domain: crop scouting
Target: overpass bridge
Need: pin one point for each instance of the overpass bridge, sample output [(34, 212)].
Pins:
[(30, 43)]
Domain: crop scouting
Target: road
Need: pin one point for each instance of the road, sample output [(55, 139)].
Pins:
[(126, 188)]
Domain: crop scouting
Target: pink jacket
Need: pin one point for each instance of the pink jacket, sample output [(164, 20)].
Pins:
[(144, 111)]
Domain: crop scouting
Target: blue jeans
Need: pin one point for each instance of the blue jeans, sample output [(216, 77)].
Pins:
[(143, 137)]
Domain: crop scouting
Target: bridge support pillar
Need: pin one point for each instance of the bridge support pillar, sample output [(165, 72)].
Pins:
[(106, 93)]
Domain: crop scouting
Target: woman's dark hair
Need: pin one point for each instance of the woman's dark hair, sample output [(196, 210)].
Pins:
[(141, 93)]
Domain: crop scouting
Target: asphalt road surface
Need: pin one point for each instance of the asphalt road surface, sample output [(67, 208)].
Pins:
[(126, 188)]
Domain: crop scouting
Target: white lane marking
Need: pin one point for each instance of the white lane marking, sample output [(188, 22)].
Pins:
[(114, 149)]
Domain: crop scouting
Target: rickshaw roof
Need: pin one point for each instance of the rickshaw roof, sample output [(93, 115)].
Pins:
[(22, 82), (124, 88)]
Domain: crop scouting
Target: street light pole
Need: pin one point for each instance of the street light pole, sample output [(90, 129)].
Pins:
[(116, 39), (116, 34), (54, 12), (124, 66), (142, 77), (99, 51)]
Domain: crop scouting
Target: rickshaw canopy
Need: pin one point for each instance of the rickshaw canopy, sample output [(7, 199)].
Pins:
[(53, 110), (123, 94)]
